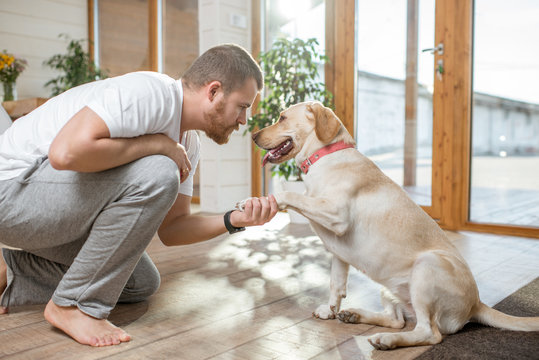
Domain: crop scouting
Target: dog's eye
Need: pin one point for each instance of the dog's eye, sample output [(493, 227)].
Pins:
[(281, 118)]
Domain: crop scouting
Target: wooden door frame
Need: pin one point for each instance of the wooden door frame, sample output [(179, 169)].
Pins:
[(451, 107), (256, 158), (340, 71)]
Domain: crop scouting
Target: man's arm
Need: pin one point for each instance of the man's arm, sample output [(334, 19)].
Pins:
[(180, 227), (84, 144)]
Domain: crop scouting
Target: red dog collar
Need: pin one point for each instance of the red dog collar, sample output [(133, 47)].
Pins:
[(331, 148)]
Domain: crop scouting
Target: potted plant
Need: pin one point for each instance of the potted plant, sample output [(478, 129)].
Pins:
[(76, 66), (291, 76)]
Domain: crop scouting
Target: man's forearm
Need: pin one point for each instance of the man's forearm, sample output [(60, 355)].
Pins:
[(84, 144), (190, 229), (107, 153), (180, 227)]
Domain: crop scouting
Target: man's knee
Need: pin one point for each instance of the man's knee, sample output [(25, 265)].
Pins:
[(149, 286), (143, 283), (158, 175)]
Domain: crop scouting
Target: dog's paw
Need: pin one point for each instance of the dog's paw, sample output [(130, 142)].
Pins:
[(325, 312), (280, 198), (240, 205), (348, 316), (382, 341)]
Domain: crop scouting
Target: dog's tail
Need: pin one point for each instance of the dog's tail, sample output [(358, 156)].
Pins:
[(486, 315)]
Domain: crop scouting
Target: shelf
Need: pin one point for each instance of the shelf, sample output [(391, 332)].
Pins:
[(18, 108)]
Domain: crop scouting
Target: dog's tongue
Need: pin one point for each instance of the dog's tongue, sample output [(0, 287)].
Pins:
[(265, 159), (276, 152)]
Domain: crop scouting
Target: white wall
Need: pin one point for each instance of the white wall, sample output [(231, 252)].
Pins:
[(225, 171), (30, 29)]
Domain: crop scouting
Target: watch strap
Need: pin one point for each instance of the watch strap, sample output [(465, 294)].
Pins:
[(231, 228)]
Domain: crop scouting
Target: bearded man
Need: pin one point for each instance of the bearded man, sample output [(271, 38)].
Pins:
[(88, 178)]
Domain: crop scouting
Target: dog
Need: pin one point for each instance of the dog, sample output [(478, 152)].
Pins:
[(366, 220)]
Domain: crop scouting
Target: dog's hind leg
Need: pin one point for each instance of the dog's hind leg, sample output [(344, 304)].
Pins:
[(424, 333), (422, 295), (339, 277), (391, 317)]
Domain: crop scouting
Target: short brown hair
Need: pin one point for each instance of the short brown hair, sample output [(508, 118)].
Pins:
[(230, 64)]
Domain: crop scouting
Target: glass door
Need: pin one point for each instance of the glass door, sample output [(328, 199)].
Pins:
[(298, 19), (396, 80), (505, 114)]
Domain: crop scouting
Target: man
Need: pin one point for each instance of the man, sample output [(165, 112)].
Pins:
[(89, 177)]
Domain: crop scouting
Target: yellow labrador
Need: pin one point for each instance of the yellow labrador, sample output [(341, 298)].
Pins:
[(367, 221)]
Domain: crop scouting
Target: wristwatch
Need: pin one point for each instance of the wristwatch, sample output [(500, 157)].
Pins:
[(231, 228)]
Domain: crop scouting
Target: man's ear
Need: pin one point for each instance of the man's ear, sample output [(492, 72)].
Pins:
[(213, 88), (326, 123)]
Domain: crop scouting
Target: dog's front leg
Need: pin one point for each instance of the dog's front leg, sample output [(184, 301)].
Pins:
[(339, 277), (328, 213)]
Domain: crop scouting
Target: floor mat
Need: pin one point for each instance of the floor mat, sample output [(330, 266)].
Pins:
[(480, 342)]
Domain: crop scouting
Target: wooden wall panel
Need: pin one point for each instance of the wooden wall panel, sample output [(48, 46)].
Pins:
[(180, 36), (124, 36), (153, 36)]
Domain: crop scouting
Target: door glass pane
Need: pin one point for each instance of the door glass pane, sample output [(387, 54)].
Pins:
[(505, 122), (382, 46), (180, 35), (123, 36), (302, 19)]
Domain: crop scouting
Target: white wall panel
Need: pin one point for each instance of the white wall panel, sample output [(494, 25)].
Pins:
[(30, 29)]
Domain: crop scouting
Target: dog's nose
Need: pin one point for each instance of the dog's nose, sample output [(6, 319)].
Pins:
[(255, 135)]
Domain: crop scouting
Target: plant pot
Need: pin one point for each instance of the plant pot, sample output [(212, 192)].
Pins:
[(297, 187)]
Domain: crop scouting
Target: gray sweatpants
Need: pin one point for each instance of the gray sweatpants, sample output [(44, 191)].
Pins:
[(83, 235)]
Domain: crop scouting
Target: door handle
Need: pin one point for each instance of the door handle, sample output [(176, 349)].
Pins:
[(439, 49)]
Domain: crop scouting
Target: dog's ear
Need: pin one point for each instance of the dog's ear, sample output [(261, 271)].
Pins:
[(326, 123)]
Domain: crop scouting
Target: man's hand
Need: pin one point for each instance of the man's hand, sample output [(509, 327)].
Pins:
[(178, 153), (256, 211)]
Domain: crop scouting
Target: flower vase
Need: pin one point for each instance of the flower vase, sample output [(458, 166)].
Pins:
[(9, 91)]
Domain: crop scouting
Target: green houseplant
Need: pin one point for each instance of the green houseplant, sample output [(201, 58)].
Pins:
[(75, 66), (291, 76)]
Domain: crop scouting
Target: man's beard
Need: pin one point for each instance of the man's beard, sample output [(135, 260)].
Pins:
[(217, 130)]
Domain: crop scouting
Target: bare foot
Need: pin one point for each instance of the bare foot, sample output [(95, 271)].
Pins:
[(84, 328), (3, 280)]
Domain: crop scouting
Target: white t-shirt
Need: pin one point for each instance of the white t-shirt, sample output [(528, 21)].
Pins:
[(131, 105)]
